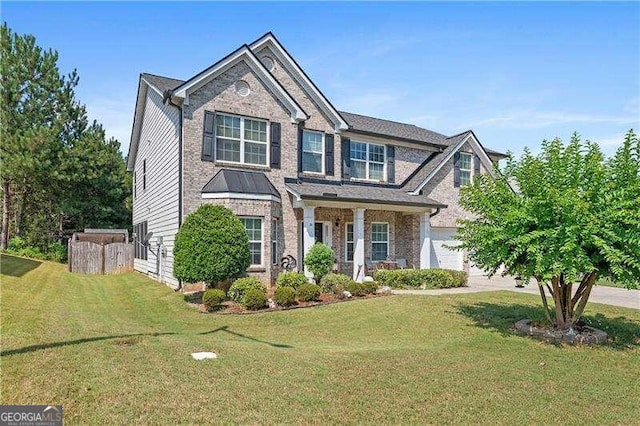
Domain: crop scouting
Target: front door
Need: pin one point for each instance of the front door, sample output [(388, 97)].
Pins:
[(319, 227)]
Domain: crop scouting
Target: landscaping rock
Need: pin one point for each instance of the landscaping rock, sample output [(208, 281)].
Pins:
[(346, 295), (368, 279), (271, 303), (384, 290)]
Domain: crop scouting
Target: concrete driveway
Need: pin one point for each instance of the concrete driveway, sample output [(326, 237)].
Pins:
[(599, 294)]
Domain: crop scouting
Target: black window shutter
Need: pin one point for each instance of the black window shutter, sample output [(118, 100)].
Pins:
[(328, 154), (300, 130), (391, 164), (346, 158), (456, 170), (476, 165), (208, 136), (275, 145)]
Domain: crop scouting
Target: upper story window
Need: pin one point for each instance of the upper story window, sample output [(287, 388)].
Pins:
[(241, 140), (368, 161), (466, 162), (312, 152)]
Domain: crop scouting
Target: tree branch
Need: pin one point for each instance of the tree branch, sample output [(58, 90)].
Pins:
[(547, 311)]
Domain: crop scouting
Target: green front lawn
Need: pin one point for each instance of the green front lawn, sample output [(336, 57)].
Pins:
[(116, 349)]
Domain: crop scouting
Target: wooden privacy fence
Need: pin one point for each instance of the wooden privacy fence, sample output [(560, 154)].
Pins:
[(90, 257)]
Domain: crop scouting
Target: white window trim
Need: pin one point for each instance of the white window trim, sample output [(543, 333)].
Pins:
[(242, 141), (323, 152), (346, 241), (380, 242), (470, 169), (274, 239), (367, 161), (255, 265)]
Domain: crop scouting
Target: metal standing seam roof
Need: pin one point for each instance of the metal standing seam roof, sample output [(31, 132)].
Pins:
[(240, 182)]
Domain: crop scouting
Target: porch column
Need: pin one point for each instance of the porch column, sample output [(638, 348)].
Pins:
[(308, 234), (358, 245), (425, 240)]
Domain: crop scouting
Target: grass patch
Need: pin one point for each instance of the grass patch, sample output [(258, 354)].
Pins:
[(116, 349)]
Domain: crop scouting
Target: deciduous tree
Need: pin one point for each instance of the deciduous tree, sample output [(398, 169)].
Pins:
[(564, 217)]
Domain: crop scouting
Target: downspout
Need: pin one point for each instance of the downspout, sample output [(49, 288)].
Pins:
[(167, 99), (435, 213)]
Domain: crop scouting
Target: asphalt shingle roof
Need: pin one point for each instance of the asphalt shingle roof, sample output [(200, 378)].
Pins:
[(162, 83), (340, 191)]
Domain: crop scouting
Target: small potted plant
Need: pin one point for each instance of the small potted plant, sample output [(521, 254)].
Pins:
[(519, 282)]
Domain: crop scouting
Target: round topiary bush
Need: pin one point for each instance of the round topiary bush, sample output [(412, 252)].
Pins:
[(334, 283), (319, 260), (308, 292), (212, 298), (255, 299), (285, 296), (291, 279), (241, 286), (211, 246)]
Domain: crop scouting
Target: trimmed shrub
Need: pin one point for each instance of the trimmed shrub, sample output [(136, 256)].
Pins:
[(241, 286), (211, 246), (421, 278), (291, 279), (334, 283), (212, 298), (255, 299), (370, 287), (319, 260), (285, 296), (308, 292), (356, 288)]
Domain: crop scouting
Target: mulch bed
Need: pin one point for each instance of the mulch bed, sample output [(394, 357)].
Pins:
[(231, 308)]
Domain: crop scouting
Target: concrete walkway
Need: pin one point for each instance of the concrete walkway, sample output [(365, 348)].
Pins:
[(600, 294)]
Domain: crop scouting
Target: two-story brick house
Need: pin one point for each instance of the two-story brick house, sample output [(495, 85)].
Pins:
[(252, 132)]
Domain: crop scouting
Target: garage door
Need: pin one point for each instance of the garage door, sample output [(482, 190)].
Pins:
[(441, 256)]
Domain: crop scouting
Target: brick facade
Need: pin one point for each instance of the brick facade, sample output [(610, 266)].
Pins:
[(220, 95)]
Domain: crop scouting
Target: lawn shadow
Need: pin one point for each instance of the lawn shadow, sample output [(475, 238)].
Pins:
[(16, 266), (623, 333), (225, 328), (33, 348)]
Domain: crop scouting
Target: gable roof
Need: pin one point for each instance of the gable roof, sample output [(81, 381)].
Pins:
[(243, 53), (240, 182), (298, 74)]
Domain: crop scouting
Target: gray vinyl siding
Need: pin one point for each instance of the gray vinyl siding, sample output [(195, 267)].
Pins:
[(158, 204)]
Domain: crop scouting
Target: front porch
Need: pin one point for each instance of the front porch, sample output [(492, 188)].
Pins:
[(361, 237)]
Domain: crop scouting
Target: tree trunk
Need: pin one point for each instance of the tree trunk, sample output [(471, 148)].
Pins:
[(569, 307), (6, 198)]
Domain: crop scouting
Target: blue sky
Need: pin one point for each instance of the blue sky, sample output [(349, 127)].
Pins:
[(514, 73)]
